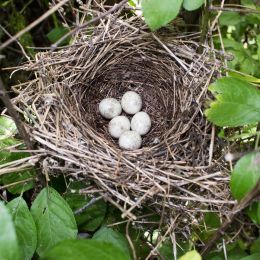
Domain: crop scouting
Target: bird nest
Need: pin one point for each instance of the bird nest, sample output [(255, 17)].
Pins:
[(178, 169)]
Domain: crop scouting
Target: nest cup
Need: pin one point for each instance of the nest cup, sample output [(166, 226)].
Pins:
[(177, 169)]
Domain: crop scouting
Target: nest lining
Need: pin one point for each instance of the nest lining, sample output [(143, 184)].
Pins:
[(178, 168)]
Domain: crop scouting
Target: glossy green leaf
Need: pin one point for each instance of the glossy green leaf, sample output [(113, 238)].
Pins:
[(230, 18), (7, 127), (9, 249), (54, 219), (91, 218), (24, 226), (159, 13), (192, 255), (109, 235), (85, 250), (237, 103), (245, 175), (251, 257), (191, 5)]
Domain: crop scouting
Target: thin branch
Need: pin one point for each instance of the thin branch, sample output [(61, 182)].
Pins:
[(246, 201), (239, 10), (89, 204), (33, 24), (130, 240), (8, 103), (84, 25)]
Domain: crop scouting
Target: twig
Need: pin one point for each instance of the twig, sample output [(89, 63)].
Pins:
[(89, 204), (8, 103), (33, 24), (239, 10), (246, 201), (84, 25), (15, 183), (20, 45), (130, 240), (172, 54)]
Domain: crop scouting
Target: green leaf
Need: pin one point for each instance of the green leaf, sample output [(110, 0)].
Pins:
[(258, 49), (251, 257), (230, 18), (245, 175), (166, 248), (246, 77), (56, 33), (248, 3), (13, 177), (54, 219), (5, 155), (209, 225), (16, 177), (236, 250), (91, 218), (9, 249), (255, 248), (24, 226), (159, 13), (253, 211), (109, 235), (85, 250), (7, 127), (237, 103), (191, 5), (192, 255)]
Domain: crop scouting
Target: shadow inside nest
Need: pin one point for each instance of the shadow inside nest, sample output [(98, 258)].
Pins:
[(169, 96)]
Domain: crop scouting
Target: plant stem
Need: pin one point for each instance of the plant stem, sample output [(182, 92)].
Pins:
[(204, 25)]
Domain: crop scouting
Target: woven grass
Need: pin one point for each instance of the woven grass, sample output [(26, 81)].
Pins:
[(179, 169)]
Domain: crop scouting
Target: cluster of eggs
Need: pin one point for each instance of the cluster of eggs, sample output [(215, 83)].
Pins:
[(120, 127)]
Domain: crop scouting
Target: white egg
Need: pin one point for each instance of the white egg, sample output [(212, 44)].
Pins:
[(130, 140), (118, 125), (109, 108), (131, 102), (141, 123)]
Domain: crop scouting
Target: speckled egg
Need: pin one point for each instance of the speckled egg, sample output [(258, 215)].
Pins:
[(131, 102), (130, 140), (118, 125), (141, 123), (109, 108)]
